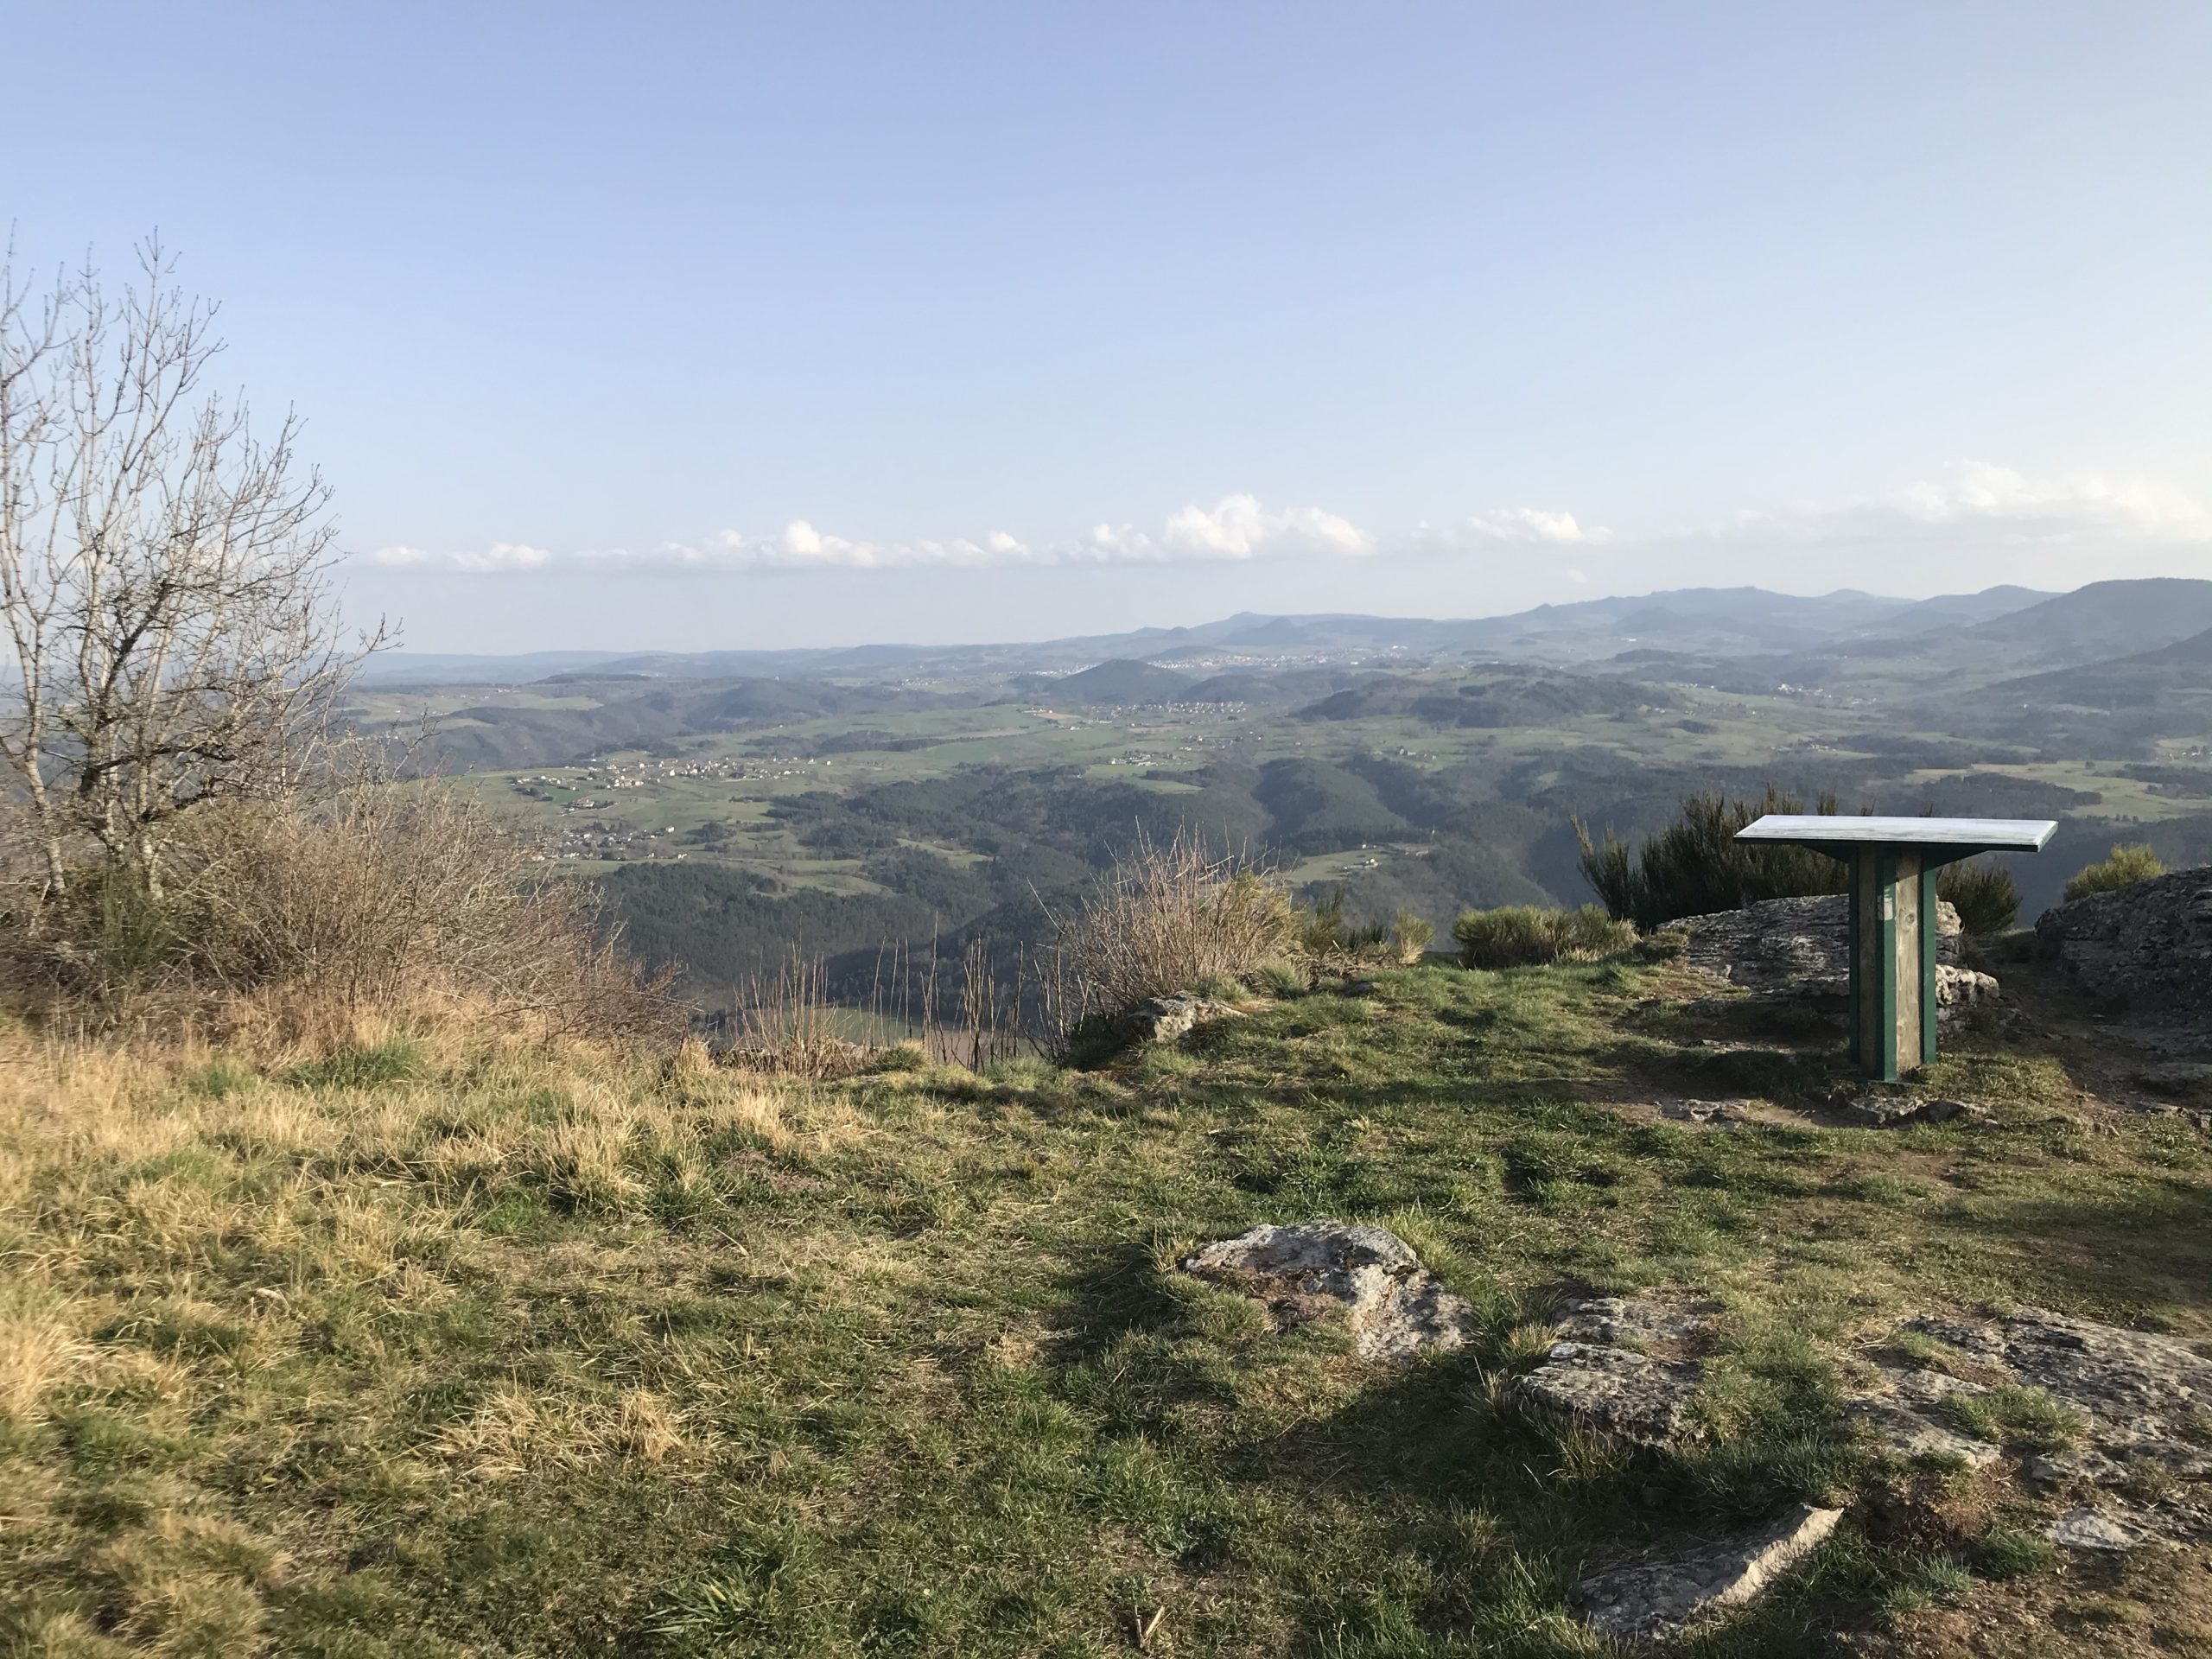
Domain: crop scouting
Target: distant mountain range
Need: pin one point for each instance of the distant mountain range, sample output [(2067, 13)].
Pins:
[(2136, 650), (1727, 621)]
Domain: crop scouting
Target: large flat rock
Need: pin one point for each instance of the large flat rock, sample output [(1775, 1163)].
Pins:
[(1661, 1596)]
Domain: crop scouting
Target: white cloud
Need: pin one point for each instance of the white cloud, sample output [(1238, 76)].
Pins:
[(1981, 491), (504, 555), (1979, 502), (1237, 527), (1536, 526), (1967, 506)]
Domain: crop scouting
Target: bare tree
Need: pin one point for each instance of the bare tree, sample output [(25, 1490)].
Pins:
[(164, 574)]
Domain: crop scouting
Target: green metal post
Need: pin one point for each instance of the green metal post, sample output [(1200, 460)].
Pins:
[(1931, 928), (1885, 885)]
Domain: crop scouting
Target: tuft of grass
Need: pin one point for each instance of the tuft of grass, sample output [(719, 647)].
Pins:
[(396, 1059), (220, 1079), (2007, 1552), (2016, 1416)]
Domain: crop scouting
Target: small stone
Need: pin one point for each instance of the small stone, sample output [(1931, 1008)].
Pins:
[(1944, 1111), (1699, 1111), (1397, 1308), (1882, 1111), (2086, 1529), (1655, 1600)]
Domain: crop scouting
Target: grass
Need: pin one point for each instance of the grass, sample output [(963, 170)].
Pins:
[(414, 1351)]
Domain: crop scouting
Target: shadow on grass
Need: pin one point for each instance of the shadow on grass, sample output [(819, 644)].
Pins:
[(2103, 1255)]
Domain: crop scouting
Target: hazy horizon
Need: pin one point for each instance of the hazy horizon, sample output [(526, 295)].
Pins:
[(582, 649)]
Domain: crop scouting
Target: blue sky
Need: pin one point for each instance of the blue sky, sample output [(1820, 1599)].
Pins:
[(696, 326)]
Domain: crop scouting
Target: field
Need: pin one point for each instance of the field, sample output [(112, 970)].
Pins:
[(427, 1349), (885, 826)]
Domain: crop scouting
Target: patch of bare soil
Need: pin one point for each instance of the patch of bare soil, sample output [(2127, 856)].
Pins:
[(2152, 1603)]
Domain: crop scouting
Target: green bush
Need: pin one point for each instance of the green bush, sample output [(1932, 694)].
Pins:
[(1519, 936), (393, 1060), (1509, 938), (2126, 866), (1696, 866), (1985, 895)]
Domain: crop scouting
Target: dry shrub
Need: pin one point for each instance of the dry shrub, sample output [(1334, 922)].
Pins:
[(1167, 919), (1519, 936), (787, 1024), (385, 896)]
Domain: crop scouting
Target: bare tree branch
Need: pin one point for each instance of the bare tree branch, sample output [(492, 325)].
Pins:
[(164, 572)]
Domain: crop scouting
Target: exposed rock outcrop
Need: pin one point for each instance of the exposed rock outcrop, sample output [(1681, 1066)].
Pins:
[(2149, 944), (2127, 1415), (1657, 1598), (1164, 1018), (1398, 1310), (1799, 949), (2138, 1454)]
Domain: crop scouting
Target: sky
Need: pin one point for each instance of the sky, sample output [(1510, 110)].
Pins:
[(725, 326)]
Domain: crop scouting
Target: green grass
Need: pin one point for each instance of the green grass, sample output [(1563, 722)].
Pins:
[(445, 1354)]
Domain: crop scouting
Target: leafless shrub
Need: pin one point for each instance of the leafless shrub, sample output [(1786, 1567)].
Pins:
[(383, 896), (787, 1024), (1167, 919), (164, 578)]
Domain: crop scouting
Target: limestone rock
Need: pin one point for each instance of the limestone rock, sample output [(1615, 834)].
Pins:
[(2140, 1455), (2149, 942), (2087, 1528), (1164, 1018), (1886, 1111), (1622, 1367), (1906, 1432), (1643, 1322), (2140, 1401), (1801, 947), (1958, 989), (1653, 1600), (1614, 1391), (1397, 1308)]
